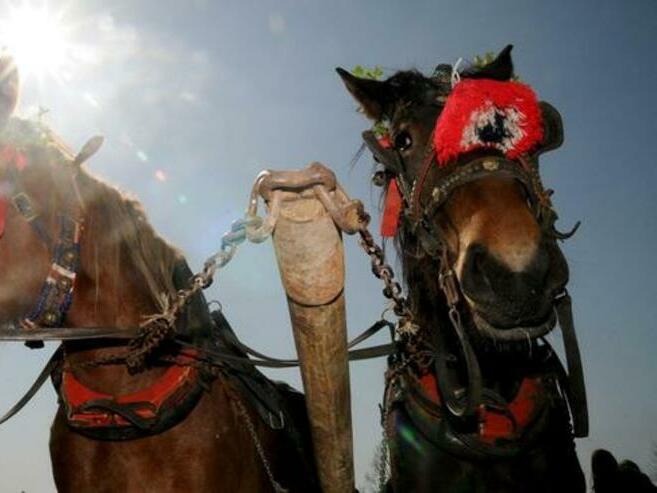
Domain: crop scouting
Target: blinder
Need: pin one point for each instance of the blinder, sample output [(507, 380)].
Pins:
[(389, 158)]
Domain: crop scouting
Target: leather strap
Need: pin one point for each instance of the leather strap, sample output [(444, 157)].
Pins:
[(50, 366), (8, 332), (12, 332), (575, 388)]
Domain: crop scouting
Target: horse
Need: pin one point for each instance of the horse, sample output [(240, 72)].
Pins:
[(77, 252), (476, 399)]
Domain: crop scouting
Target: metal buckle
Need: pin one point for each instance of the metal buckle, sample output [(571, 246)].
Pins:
[(23, 205), (276, 422)]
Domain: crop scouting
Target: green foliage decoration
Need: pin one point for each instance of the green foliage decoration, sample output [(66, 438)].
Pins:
[(380, 127)]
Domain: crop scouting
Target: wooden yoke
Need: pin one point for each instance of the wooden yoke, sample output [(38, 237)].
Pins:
[(311, 211)]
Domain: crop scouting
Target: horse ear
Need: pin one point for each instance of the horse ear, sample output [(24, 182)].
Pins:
[(552, 128), (499, 69), (372, 95), (604, 468), (9, 84)]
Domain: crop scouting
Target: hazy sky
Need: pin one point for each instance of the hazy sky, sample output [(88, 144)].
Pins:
[(195, 97)]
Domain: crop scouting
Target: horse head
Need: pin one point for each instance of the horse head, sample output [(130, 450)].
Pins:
[(58, 221), (498, 242), (32, 190)]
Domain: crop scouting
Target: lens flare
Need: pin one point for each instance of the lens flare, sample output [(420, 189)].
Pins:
[(39, 40)]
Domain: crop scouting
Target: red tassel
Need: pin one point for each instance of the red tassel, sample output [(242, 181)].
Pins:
[(393, 201), (391, 211)]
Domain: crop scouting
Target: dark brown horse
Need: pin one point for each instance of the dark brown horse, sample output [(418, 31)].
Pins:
[(169, 426), (475, 400)]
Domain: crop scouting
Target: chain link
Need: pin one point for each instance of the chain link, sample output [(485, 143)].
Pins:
[(156, 328), (241, 411), (392, 289)]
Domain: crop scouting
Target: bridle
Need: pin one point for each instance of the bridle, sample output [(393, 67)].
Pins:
[(419, 206), (56, 292)]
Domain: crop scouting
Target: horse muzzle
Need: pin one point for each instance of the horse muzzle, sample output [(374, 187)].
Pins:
[(510, 305)]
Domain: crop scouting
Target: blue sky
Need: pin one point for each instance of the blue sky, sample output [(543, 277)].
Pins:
[(205, 94)]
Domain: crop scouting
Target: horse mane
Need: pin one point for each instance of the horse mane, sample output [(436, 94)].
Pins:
[(118, 244), (124, 243)]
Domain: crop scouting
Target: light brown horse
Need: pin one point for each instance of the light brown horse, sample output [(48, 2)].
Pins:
[(125, 272)]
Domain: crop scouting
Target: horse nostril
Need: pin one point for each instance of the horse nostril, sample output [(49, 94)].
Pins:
[(486, 280), (476, 275)]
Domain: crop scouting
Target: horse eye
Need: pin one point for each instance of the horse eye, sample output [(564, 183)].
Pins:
[(403, 141)]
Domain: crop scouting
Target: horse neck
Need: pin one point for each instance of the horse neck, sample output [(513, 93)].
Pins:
[(108, 300), (119, 302)]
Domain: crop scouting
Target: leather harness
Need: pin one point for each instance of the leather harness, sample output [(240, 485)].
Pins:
[(418, 207), (90, 412)]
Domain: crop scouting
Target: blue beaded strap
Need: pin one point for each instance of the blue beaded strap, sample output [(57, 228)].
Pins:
[(57, 291)]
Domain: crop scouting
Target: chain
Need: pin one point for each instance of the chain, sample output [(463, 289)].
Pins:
[(392, 289), (241, 411), (157, 328)]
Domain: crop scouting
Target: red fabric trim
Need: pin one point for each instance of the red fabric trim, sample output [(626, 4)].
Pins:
[(493, 424), (470, 99), (165, 391), (393, 201), (385, 142), (391, 211)]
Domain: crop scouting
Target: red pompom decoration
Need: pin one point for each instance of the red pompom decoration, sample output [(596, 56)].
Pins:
[(488, 114)]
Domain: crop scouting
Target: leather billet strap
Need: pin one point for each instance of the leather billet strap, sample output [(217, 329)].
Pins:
[(576, 388)]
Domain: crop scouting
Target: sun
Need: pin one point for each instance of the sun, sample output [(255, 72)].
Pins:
[(38, 40)]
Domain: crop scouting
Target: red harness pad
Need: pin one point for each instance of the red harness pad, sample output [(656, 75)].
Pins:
[(167, 391), (494, 424)]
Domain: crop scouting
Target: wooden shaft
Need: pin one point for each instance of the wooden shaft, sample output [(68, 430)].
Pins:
[(310, 256)]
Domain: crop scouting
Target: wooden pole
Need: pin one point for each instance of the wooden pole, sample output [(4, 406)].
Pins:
[(310, 257)]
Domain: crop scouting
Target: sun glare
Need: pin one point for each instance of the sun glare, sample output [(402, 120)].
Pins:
[(38, 40)]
